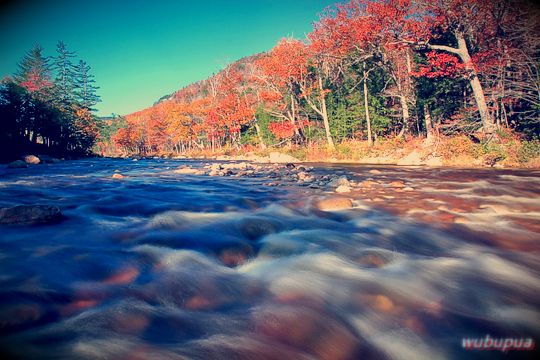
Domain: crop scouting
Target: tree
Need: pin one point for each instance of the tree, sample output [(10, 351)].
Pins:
[(345, 32), (85, 90), (65, 75), (34, 73)]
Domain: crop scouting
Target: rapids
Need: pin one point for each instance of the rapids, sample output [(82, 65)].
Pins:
[(166, 266)]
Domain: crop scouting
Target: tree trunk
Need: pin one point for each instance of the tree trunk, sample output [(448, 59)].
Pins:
[(405, 114), (259, 135), (324, 115), (463, 52), (293, 118), (366, 106), (428, 122)]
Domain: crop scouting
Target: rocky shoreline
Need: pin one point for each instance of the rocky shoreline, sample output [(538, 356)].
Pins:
[(32, 160), (339, 191)]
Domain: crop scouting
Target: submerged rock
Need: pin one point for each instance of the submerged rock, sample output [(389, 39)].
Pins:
[(17, 164), (31, 159), (334, 204), (30, 214), (255, 228), (375, 259), (46, 159)]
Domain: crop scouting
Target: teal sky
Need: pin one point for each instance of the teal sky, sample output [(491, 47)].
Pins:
[(141, 50)]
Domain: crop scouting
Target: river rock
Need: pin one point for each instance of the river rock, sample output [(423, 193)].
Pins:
[(290, 166), (376, 259), (277, 157), (46, 159), (302, 175), (186, 171), (235, 166), (397, 184), (341, 181), (368, 184), (343, 189), (334, 204), (17, 164), (255, 228), (30, 214), (31, 159)]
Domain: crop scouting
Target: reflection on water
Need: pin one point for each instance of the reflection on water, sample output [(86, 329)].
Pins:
[(168, 266)]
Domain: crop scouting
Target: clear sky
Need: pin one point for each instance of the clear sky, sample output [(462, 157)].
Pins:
[(141, 50)]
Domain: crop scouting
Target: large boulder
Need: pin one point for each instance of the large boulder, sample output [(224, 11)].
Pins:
[(277, 157), (31, 159), (17, 164), (30, 214)]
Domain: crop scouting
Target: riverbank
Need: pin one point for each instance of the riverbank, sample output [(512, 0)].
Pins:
[(455, 152)]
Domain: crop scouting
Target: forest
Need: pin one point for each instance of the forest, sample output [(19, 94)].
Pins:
[(371, 77), (370, 71), (47, 106)]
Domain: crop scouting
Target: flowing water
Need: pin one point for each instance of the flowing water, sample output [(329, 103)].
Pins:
[(166, 266)]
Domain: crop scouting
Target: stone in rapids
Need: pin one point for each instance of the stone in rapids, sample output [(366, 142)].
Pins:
[(31, 159), (334, 204), (17, 164), (30, 215)]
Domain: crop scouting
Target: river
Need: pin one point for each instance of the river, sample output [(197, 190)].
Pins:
[(160, 265)]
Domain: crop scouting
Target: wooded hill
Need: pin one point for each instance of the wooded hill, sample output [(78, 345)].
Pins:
[(370, 69)]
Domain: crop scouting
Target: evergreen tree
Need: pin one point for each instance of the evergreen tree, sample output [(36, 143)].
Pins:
[(65, 75), (85, 90), (34, 73)]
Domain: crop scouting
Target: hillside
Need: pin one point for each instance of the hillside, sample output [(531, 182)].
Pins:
[(381, 75)]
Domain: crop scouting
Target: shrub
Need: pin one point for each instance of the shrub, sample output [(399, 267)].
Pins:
[(451, 147), (528, 150)]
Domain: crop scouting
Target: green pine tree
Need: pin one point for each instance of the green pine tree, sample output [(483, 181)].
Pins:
[(65, 75), (85, 90)]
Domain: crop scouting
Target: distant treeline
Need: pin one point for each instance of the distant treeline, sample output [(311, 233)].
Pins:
[(369, 69), (47, 106)]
